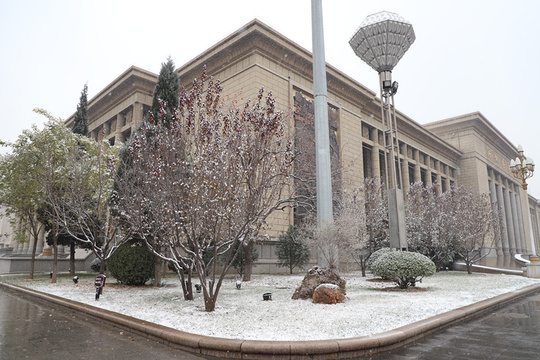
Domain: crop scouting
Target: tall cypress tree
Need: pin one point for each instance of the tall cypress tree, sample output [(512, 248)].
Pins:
[(80, 126), (167, 89), (80, 122)]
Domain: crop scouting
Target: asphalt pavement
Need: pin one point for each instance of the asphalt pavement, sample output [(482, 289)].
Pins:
[(32, 331), (509, 333)]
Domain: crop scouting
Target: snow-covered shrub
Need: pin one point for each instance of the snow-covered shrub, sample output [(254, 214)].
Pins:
[(403, 267), (376, 255), (132, 264), (95, 265)]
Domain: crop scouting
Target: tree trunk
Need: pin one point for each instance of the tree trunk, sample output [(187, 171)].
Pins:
[(165, 267), (157, 272), (209, 304), (157, 269), (101, 266), (248, 253), (363, 265), (72, 258), (189, 286), (55, 255), (32, 262)]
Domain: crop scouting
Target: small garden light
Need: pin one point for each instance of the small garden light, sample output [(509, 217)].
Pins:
[(267, 296), (238, 284), (76, 279)]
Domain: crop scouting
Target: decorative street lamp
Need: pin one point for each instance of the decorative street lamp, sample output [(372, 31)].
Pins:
[(522, 167), (381, 41)]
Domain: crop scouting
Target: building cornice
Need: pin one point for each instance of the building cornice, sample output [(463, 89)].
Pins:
[(256, 37), (131, 81), (481, 125)]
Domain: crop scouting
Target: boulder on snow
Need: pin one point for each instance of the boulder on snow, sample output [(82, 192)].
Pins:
[(315, 277), (327, 294)]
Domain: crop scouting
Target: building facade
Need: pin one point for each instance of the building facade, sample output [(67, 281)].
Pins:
[(465, 150)]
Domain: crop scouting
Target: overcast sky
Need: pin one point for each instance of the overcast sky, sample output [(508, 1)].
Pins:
[(469, 55)]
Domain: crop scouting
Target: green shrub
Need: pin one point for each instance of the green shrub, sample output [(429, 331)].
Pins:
[(239, 262), (373, 257), (132, 264), (291, 251), (95, 265), (403, 267)]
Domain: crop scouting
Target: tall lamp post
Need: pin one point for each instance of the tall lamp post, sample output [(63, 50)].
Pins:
[(381, 41), (522, 168)]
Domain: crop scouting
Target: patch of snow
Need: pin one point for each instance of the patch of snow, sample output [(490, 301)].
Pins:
[(328, 286), (242, 314)]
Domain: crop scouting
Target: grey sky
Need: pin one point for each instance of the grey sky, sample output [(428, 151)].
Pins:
[(468, 56)]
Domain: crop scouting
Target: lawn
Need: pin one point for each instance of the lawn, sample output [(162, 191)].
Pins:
[(242, 314)]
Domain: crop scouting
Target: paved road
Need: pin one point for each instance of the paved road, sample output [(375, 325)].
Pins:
[(32, 331), (510, 333)]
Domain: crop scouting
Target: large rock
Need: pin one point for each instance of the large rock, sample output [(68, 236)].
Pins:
[(327, 294), (315, 277)]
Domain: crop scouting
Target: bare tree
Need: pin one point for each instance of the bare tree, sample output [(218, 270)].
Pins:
[(475, 225), (454, 224), (429, 219), (208, 181)]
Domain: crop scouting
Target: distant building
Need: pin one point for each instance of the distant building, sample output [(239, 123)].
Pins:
[(466, 150)]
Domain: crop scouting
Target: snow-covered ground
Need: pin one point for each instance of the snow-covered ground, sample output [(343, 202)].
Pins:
[(242, 314)]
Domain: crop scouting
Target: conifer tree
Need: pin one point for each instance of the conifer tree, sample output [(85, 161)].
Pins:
[(166, 93), (80, 126), (167, 90), (80, 122)]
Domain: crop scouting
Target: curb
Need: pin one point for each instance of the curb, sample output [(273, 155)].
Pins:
[(260, 349)]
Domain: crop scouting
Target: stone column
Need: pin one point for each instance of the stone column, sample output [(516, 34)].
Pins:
[(137, 115), (493, 198), (509, 222), (94, 134), (405, 175), (517, 223), (17, 246), (438, 175), (417, 168), (119, 135), (106, 128), (500, 204), (27, 247), (521, 222), (41, 241), (428, 172)]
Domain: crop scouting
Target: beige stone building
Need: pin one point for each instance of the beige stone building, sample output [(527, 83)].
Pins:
[(466, 150)]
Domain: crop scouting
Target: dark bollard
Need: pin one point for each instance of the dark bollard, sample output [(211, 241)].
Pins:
[(99, 283)]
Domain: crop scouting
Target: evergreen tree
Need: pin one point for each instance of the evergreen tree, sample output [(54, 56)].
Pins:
[(80, 126), (167, 90), (291, 251), (80, 122)]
